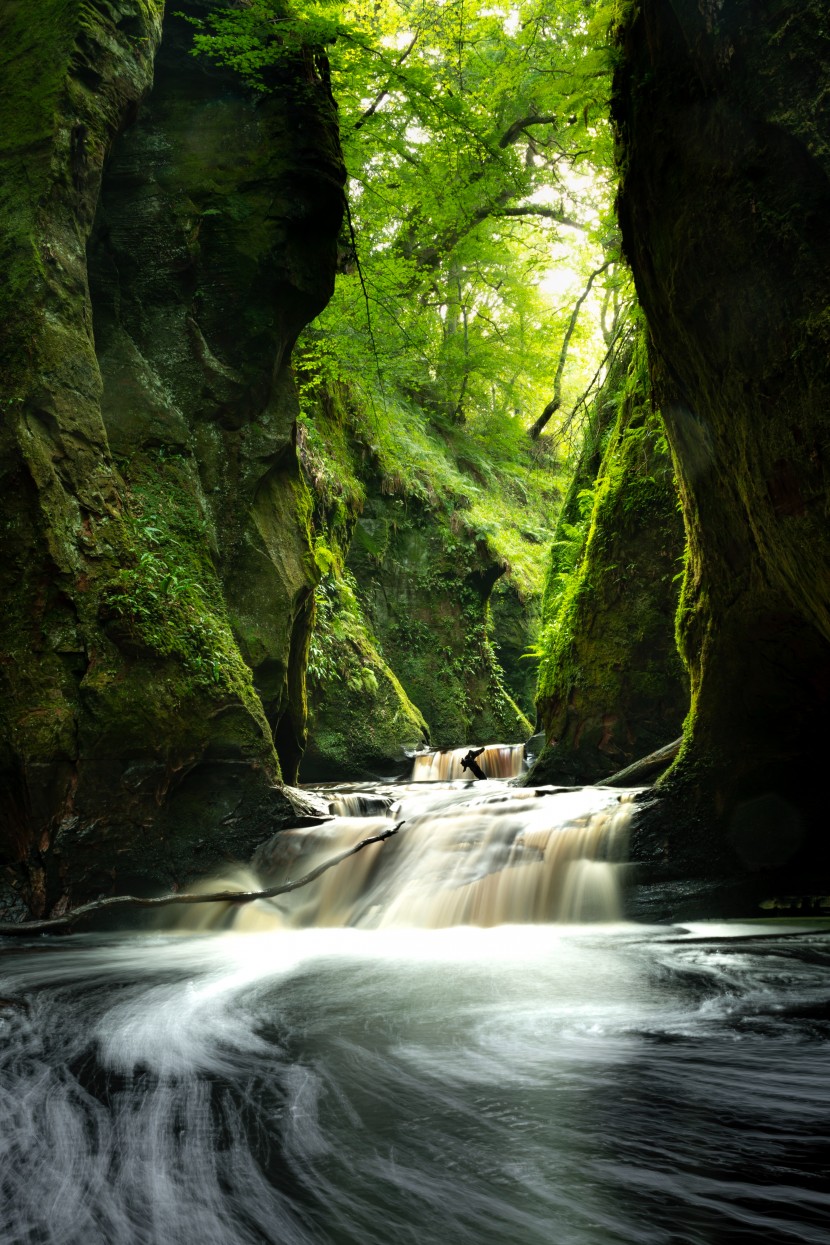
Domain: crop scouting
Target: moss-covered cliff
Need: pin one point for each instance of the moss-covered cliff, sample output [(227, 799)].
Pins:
[(164, 243), (428, 591), (361, 721), (724, 120), (612, 687), (405, 612)]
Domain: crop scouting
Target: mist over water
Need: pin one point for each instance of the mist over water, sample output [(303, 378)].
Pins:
[(533, 1084)]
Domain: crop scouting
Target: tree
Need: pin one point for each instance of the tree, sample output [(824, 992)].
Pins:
[(476, 139)]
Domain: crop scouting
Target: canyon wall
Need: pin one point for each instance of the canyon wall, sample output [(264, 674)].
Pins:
[(167, 233), (723, 115), (612, 687)]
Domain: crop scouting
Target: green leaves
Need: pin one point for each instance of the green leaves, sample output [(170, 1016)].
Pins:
[(478, 149)]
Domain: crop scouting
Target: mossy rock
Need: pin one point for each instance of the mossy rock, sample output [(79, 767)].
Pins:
[(362, 724), (157, 586), (612, 687), (411, 590), (731, 257)]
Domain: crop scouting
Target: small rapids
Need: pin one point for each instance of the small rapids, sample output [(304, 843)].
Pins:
[(391, 1056)]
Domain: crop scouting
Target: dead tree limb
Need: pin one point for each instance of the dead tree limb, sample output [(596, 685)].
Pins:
[(469, 762), (644, 772), (114, 902)]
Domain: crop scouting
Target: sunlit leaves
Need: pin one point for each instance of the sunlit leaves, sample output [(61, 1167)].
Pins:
[(477, 143)]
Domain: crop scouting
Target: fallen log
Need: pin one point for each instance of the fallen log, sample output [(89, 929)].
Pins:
[(646, 770), (114, 902), (469, 762)]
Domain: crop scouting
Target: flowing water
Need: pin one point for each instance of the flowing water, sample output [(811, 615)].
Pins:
[(386, 1075), (467, 853), (497, 761)]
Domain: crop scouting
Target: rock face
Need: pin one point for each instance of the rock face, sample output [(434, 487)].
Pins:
[(612, 687), (402, 652), (166, 241), (428, 593), (361, 722), (724, 120)]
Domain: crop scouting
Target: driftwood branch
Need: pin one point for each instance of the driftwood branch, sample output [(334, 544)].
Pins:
[(66, 922), (469, 762)]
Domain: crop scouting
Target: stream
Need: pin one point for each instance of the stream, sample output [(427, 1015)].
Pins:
[(453, 1037)]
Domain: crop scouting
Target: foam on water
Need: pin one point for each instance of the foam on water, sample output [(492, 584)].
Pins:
[(467, 854), (410, 1050)]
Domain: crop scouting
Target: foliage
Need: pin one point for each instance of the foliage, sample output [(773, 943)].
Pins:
[(166, 596), (477, 143), (479, 156), (340, 636)]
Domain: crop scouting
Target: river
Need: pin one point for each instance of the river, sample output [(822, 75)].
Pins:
[(363, 1070)]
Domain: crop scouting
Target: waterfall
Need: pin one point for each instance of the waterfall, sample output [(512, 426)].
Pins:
[(497, 761), (484, 854), (360, 803)]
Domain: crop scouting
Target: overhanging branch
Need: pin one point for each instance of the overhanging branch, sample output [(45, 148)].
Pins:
[(512, 134), (549, 213)]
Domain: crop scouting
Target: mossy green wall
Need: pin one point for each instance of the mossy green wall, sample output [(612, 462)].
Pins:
[(413, 611), (157, 573), (428, 592), (612, 687)]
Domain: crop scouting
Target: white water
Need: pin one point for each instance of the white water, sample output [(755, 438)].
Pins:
[(470, 853), (530, 1085), (497, 761), (376, 1081)]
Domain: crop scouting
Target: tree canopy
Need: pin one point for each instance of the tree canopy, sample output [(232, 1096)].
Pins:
[(478, 150)]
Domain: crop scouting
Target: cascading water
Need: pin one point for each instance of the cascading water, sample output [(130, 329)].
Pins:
[(476, 854), (367, 1064), (497, 761)]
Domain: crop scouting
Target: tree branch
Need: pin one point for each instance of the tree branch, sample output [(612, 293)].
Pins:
[(238, 897), (430, 255), (535, 431), (511, 134), (381, 95), (615, 349), (550, 213)]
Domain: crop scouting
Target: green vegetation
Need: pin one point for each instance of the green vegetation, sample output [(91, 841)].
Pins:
[(611, 684), (166, 596), (422, 577), (479, 299)]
